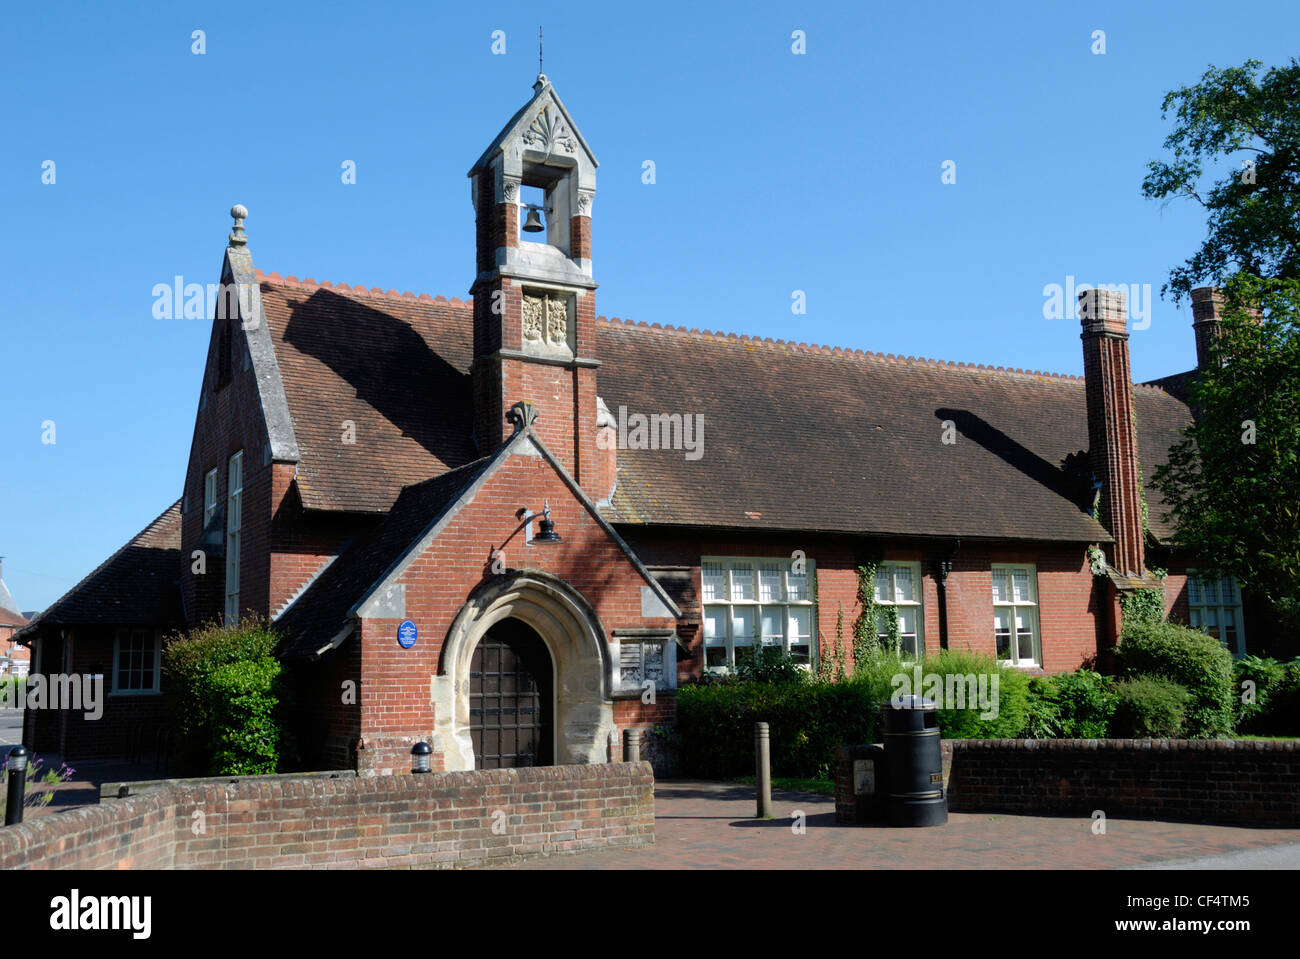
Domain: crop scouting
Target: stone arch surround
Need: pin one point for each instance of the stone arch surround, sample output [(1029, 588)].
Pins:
[(575, 638)]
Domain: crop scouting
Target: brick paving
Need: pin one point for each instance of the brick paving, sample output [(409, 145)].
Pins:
[(710, 825)]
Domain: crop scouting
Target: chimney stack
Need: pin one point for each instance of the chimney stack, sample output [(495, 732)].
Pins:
[(1112, 439), (1207, 321)]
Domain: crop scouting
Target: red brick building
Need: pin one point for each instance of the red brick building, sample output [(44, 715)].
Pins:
[(488, 524)]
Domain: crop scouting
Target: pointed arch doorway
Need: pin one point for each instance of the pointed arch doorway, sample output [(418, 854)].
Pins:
[(512, 698)]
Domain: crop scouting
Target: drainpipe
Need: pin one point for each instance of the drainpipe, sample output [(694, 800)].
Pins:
[(942, 567)]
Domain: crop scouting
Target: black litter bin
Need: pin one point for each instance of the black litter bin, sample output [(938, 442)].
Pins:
[(915, 764)]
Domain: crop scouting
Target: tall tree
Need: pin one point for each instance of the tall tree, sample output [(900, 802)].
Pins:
[(1233, 482), (1253, 210)]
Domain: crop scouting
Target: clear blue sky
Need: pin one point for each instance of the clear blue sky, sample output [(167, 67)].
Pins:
[(775, 173)]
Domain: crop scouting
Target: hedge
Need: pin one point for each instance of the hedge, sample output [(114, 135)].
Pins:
[(1148, 708), (808, 720), (1192, 659), (223, 691)]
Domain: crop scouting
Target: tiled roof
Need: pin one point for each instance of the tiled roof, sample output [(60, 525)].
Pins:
[(9, 617), (796, 437), (322, 609), (395, 367), (804, 437), (136, 585)]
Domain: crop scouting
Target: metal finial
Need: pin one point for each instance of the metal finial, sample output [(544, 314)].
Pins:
[(237, 235), (539, 52)]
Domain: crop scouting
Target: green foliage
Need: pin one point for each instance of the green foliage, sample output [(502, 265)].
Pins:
[(1012, 707), (1042, 713), (864, 627), (1085, 701), (38, 791), (1230, 479), (770, 664), (245, 735), (1145, 605), (223, 689), (883, 671), (1193, 660), (1231, 116), (807, 723), (1272, 705), (1148, 708)]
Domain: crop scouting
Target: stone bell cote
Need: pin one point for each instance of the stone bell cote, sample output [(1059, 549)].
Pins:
[(534, 313)]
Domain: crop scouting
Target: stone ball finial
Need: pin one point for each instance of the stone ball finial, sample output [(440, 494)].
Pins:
[(237, 236)]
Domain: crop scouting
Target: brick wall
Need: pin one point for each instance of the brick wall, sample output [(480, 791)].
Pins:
[(1067, 603), (1229, 781), (439, 819)]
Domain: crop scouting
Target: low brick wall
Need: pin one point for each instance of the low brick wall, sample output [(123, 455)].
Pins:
[(433, 820), (1228, 781)]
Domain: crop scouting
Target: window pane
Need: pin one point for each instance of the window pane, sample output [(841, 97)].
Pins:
[(712, 582), (1001, 586), (906, 621), (797, 584), (1228, 587), (1020, 580), (904, 588), (1194, 615), (1211, 591), (742, 625), (771, 624), (1194, 591), (800, 622), (1027, 647), (742, 582), (769, 583), (908, 646), (884, 591), (1002, 632), (715, 624), (715, 656)]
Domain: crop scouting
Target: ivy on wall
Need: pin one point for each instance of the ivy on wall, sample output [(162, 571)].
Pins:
[(1144, 605)]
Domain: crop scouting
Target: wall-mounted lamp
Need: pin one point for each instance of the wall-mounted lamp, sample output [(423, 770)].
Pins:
[(546, 528)]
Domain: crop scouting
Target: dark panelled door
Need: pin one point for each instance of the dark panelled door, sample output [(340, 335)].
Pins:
[(510, 699)]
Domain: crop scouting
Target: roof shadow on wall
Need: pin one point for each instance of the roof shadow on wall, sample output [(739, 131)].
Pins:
[(1069, 485), (392, 369)]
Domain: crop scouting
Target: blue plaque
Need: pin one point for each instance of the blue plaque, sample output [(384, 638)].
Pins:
[(407, 634)]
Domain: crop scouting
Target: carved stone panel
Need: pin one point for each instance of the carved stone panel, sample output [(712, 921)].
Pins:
[(533, 306), (546, 323)]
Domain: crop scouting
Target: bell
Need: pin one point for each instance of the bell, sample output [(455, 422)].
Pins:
[(533, 224)]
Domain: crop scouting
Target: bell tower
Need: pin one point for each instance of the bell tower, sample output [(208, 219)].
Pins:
[(534, 312)]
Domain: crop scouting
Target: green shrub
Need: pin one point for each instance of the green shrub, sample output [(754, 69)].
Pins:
[(1275, 709), (223, 691), (245, 735), (1009, 709), (807, 722), (1190, 658), (1148, 708), (770, 664), (1043, 713), (1085, 701)]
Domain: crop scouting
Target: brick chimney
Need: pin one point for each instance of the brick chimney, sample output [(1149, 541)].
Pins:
[(1112, 439), (1207, 321)]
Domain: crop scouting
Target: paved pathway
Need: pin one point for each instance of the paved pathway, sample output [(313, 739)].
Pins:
[(711, 826)]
